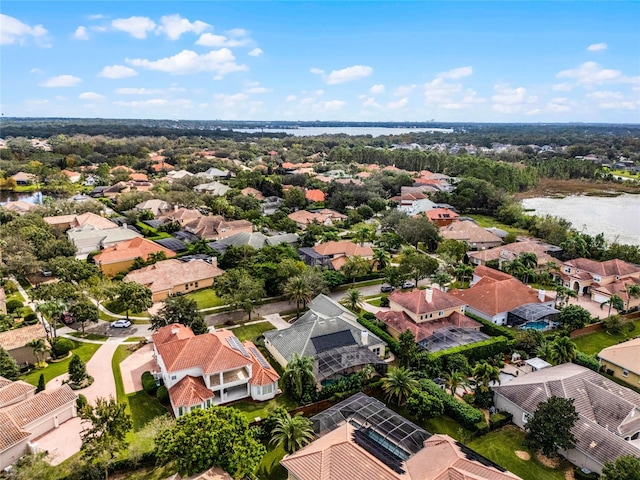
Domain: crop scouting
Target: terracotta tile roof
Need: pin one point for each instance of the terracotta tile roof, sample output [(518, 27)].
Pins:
[(167, 274), (343, 247), (181, 215), (495, 296), (400, 322), (441, 214), (139, 177), (468, 232), (190, 391), (19, 337), (10, 433), (11, 391), (70, 174), (338, 263), (40, 405), (483, 271), (130, 250), (626, 355), (253, 192), (315, 195), (511, 251), (214, 226), (619, 287), (259, 374), (416, 300), (210, 352), (304, 217), (608, 268), (19, 206), (170, 333)]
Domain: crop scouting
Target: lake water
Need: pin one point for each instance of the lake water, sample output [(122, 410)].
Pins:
[(29, 197), (617, 217), (373, 131)]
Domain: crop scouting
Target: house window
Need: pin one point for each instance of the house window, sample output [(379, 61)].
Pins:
[(596, 279), (196, 284), (567, 269), (186, 286), (179, 411), (431, 315), (441, 313), (267, 389), (625, 372), (173, 377), (525, 417), (376, 351)]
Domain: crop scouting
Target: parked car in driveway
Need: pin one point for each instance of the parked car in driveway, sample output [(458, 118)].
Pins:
[(386, 288), (121, 324), (408, 284), (66, 318)]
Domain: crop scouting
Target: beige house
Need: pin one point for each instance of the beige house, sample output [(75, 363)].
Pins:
[(156, 206), (23, 178), (586, 276), (511, 251), (175, 277), (623, 361), (477, 238), (15, 342), (321, 217), (120, 257)]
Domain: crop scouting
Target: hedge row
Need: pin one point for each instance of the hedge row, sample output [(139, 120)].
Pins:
[(149, 383), (478, 351), (491, 328), (588, 361), (498, 420), (467, 416), (392, 343)]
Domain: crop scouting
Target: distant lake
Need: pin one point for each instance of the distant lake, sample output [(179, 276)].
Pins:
[(617, 217), (373, 131), (29, 197)]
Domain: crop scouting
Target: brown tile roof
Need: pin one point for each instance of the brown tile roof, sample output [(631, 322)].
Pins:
[(468, 232), (190, 391), (511, 251), (304, 217), (181, 215), (416, 300), (483, 271), (19, 206), (139, 177), (401, 322), (11, 391), (213, 226), (626, 355), (314, 195), (344, 247), (619, 287), (19, 337), (167, 274), (259, 374), (10, 433), (176, 332), (253, 192), (130, 250), (40, 405), (608, 268)]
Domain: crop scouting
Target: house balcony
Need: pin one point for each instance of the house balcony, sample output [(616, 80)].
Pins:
[(231, 378)]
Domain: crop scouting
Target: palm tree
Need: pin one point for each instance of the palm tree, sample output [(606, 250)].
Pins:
[(298, 377), (353, 299), (367, 372), (484, 374), (454, 380), (544, 350), (441, 278), (463, 271), (292, 433), (299, 290), (528, 259), (563, 294), (614, 301), (380, 259), (633, 291), (39, 347), (562, 350), (51, 310), (398, 384)]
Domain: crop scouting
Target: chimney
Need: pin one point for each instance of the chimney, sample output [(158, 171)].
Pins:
[(364, 337), (174, 331), (428, 295), (124, 225), (541, 295)]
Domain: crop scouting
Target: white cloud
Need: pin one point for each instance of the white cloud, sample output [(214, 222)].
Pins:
[(609, 100), (230, 100), (15, 31), (605, 95), (597, 47), (117, 71), (257, 90), (290, 98), (237, 32), (173, 26), (90, 96), (135, 91), (590, 73), (456, 73), (61, 81), (370, 102), (398, 104), (332, 105), (404, 90), (154, 102), (348, 74), (137, 27), (37, 101), (81, 33), (217, 41), (563, 87), (469, 99), (558, 105), (511, 100), (256, 52), (439, 91), (95, 17), (377, 89), (187, 61), (35, 70)]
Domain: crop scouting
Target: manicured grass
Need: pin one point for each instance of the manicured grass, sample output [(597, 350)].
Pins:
[(89, 336), (499, 446), (135, 339), (144, 408), (84, 350), (115, 307), (487, 221), (594, 342), (375, 302), (447, 426), (251, 332), (158, 473), (261, 409), (120, 354), (270, 468), (206, 298)]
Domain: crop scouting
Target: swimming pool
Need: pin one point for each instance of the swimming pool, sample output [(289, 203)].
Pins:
[(540, 325)]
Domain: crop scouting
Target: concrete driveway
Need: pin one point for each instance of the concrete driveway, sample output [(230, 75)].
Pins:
[(135, 365)]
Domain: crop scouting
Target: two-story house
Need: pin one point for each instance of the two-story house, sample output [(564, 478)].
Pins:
[(436, 319), (210, 369), (587, 276), (334, 254)]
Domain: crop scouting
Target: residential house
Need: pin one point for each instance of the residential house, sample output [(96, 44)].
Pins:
[(210, 369), (256, 240), (603, 293), (177, 175), (73, 177), (25, 416), (139, 177), (511, 251), (580, 274), (15, 341), (212, 188), (65, 222), (441, 216), (215, 227), (213, 173), (90, 181), (330, 334), (477, 238), (175, 277), (249, 191), (120, 257), (19, 206), (493, 294), (436, 319), (622, 361), (156, 206), (608, 423), (415, 203), (89, 239), (359, 439), (23, 178), (324, 216), (314, 195), (271, 204), (180, 215), (334, 254)]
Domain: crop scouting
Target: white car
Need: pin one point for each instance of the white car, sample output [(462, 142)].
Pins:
[(121, 324), (408, 284)]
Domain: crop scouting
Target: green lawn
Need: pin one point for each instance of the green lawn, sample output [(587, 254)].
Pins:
[(594, 342), (262, 409), (270, 468), (206, 298), (120, 354), (375, 302), (84, 350), (447, 426), (487, 221), (499, 446), (144, 408), (251, 332), (115, 307)]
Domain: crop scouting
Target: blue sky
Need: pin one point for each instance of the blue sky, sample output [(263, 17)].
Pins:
[(372, 61)]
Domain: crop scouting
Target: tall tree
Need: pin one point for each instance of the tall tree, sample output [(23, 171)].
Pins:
[(52, 311), (176, 309), (298, 378), (353, 299), (626, 467), (419, 230), (416, 265), (563, 294), (484, 374), (573, 317), (133, 297), (452, 251), (355, 267), (77, 370), (298, 290), (84, 312), (8, 366), (380, 259), (41, 384), (614, 302), (292, 433), (463, 271), (549, 428), (633, 291), (408, 349), (563, 350), (39, 348), (398, 384), (442, 279), (453, 380), (108, 424)]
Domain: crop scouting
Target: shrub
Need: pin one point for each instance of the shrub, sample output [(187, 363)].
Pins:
[(476, 352), (467, 416), (30, 319), (162, 394), (13, 305), (369, 316), (81, 402), (62, 347), (588, 361), (149, 383), (381, 334), (499, 419), (384, 301), (10, 288), (491, 328)]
